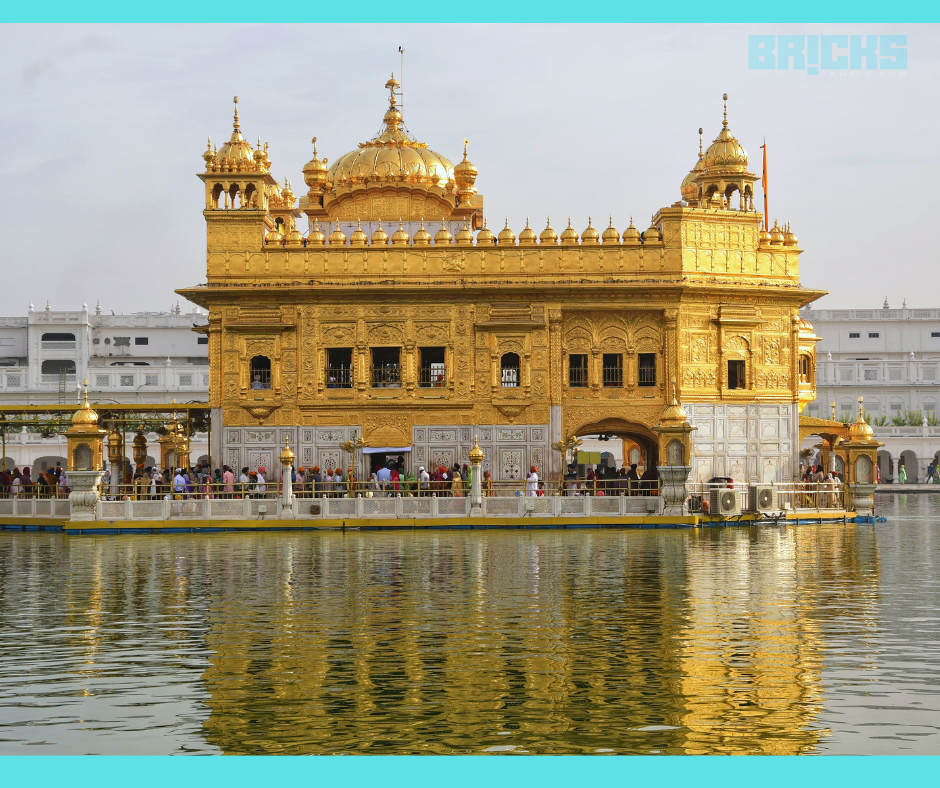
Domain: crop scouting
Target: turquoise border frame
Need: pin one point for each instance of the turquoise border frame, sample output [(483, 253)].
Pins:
[(472, 772), (487, 11)]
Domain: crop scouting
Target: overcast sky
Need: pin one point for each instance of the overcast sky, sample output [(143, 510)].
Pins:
[(102, 129)]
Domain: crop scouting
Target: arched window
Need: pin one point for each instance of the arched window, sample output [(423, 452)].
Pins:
[(58, 366), (58, 336), (806, 375), (509, 370), (260, 373), (81, 458)]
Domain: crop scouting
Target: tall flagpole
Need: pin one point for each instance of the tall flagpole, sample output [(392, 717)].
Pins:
[(763, 183)]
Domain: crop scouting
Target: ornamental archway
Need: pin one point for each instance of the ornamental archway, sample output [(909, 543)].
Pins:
[(639, 434)]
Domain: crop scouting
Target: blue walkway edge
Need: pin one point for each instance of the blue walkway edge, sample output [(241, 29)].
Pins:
[(411, 771)]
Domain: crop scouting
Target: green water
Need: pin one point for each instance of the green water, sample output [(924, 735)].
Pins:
[(808, 639)]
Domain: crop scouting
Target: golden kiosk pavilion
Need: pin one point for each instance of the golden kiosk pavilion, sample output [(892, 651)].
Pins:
[(401, 319)]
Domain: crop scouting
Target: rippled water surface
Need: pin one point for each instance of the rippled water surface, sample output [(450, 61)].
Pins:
[(809, 639)]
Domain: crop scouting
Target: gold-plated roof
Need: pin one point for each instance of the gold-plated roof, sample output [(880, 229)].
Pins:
[(725, 154), (393, 156)]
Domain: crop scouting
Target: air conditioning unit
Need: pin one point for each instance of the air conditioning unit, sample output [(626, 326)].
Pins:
[(725, 502), (763, 498)]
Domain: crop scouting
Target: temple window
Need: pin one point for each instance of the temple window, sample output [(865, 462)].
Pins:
[(433, 370), (736, 375), (339, 368), (577, 370), (58, 367), (805, 369), (613, 370), (260, 372), (386, 367), (646, 371), (509, 370)]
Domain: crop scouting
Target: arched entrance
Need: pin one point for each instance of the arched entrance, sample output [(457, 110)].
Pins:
[(637, 439)]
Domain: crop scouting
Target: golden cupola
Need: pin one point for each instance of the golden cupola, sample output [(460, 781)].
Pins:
[(590, 236), (506, 236), (236, 155), (861, 430), (392, 168), (610, 236), (380, 237), (464, 236), (400, 237), (789, 239), (485, 236), (315, 173), (316, 237), (689, 187), (358, 238), (725, 154), (548, 236), (422, 236), (443, 237), (527, 236), (569, 236), (337, 237), (631, 236)]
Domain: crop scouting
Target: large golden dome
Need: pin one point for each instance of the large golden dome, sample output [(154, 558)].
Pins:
[(726, 154), (393, 156)]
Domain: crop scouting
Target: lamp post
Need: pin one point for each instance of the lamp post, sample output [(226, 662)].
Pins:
[(563, 447), (287, 488), (476, 483), (352, 446), (116, 459)]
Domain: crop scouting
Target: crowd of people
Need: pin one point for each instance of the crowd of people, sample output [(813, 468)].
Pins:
[(827, 492), (51, 483), (606, 480)]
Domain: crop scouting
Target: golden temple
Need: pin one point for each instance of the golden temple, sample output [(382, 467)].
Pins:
[(400, 319)]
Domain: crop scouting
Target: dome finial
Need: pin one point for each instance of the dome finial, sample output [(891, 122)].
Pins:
[(314, 141), (700, 132), (236, 125), (466, 142), (725, 121)]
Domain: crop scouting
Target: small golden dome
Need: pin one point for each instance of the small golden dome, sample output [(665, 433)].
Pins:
[(315, 237), (652, 235), (764, 237), (689, 187), (631, 236), (610, 235), (314, 171), (476, 453), (236, 154), (358, 236), (725, 154), (274, 238), (85, 416), (400, 237), (295, 238), (776, 235), (590, 236), (861, 430), (548, 236), (569, 236), (674, 413), (380, 237), (443, 236), (464, 236), (506, 236), (527, 237), (789, 239), (465, 174), (287, 194), (337, 237), (485, 236), (209, 156), (422, 236)]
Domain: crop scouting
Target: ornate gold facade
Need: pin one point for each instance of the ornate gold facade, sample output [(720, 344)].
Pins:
[(594, 326)]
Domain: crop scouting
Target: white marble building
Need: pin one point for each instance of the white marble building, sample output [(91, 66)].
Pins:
[(890, 358), (145, 357)]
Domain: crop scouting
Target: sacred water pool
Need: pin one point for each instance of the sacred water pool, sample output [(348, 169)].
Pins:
[(806, 639)]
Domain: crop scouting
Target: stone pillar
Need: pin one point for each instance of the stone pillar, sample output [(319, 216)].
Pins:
[(84, 495), (476, 484)]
